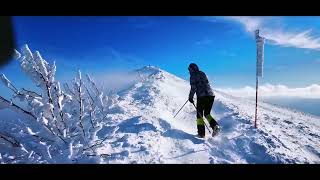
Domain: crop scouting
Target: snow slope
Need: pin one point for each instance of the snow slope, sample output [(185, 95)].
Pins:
[(142, 129)]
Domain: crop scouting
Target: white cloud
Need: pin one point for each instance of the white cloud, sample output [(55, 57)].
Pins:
[(269, 90), (250, 23), (275, 35), (291, 39)]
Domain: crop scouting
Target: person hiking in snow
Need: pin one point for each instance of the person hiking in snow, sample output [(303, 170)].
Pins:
[(205, 98)]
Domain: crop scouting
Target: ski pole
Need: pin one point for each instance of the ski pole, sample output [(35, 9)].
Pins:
[(181, 108), (202, 118)]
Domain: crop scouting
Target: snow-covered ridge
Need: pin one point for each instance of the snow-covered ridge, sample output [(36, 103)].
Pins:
[(137, 125), (283, 136), (154, 72), (149, 69)]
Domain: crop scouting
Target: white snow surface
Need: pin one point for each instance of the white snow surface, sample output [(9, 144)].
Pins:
[(146, 132), (140, 128)]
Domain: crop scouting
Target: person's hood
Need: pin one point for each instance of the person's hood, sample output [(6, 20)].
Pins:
[(193, 68)]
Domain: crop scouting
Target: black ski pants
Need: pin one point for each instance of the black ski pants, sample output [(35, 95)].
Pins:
[(204, 105)]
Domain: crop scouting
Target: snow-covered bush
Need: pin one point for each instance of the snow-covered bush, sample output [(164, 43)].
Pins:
[(64, 122)]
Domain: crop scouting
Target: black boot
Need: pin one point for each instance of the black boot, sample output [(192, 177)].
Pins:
[(213, 123), (215, 127), (201, 131)]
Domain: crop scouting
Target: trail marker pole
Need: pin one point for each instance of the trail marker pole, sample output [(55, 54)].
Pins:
[(255, 117), (259, 73)]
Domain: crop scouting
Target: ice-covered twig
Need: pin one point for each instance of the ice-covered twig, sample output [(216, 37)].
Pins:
[(53, 133), (8, 83), (16, 54), (31, 93), (92, 101), (58, 94), (66, 87), (93, 84), (91, 106), (101, 155), (97, 144), (15, 107), (80, 103), (39, 137), (11, 140), (59, 136)]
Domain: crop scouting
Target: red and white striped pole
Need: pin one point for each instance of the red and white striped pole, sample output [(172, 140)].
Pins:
[(255, 117), (260, 56)]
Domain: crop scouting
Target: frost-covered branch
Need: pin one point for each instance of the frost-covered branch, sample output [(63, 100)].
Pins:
[(91, 106), (80, 102), (65, 121), (14, 107), (8, 83), (59, 98), (68, 90), (31, 93), (96, 144), (93, 84), (11, 140)]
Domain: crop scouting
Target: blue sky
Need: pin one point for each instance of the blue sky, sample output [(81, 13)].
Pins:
[(223, 47)]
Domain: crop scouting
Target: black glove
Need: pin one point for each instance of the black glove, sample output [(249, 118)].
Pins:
[(191, 100)]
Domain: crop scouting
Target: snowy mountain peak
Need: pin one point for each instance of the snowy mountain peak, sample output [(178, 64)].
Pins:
[(156, 73), (147, 123), (149, 69), (153, 74)]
